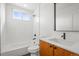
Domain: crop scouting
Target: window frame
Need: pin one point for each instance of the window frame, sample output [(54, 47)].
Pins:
[(21, 10)]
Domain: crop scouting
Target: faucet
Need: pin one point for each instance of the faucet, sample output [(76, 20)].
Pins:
[(63, 36)]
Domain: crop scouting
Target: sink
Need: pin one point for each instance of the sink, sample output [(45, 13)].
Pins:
[(58, 41), (67, 43), (54, 39), (63, 42)]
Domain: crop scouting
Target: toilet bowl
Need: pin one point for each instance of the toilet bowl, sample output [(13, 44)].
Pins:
[(33, 50)]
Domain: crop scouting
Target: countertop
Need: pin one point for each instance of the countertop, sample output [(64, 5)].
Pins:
[(68, 45)]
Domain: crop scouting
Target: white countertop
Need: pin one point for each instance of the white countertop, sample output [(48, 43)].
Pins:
[(68, 45)]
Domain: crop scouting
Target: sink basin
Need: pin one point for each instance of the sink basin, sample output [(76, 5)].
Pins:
[(60, 41), (56, 40)]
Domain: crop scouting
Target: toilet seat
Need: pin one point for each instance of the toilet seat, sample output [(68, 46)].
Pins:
[(33, 49)]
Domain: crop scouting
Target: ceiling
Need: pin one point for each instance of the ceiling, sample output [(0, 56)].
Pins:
[(30, 6)]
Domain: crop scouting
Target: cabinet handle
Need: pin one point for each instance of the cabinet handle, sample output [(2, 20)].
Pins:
[(50, 46), (54, 47)]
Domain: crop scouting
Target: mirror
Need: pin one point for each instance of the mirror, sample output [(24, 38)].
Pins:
[(66, 17)]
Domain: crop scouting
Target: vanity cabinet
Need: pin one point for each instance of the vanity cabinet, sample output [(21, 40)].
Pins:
[(47, 49)]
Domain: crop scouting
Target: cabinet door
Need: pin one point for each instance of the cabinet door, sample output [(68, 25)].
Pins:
[(68, 53), (58, 51), (45, 49), (73, 54)]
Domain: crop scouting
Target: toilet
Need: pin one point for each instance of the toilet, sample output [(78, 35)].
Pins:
[(33, 50)]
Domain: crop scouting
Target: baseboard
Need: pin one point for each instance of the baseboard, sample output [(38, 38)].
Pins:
[(17, 52)]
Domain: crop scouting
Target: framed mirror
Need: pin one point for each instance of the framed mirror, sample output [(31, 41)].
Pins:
[(66, 17)]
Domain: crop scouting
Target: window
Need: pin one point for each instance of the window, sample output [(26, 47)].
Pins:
[(19, 15), (27, 17)]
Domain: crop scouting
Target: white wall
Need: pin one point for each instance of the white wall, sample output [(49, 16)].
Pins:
[(36, 22), (17, 34), (2, 25), (47, 23), (0, 29), (46, 19)]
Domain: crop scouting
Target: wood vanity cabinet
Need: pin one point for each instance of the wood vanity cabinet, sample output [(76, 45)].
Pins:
[(47, 49)]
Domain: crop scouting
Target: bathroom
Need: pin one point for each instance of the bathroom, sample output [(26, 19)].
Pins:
[(26, 29)]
